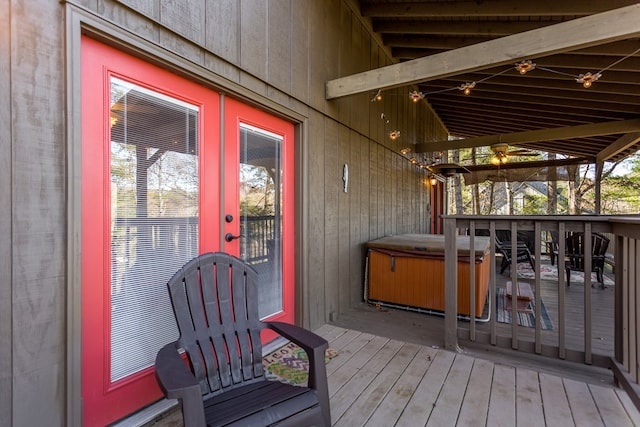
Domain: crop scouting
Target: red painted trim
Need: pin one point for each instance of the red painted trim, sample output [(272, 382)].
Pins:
[(103, 401), (235, 114)]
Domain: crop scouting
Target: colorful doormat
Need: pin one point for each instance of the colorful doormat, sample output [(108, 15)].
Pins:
[(550, 272), (290, 364), (528, 319)]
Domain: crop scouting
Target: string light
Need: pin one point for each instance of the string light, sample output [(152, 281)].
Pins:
[(377, 96), (394, 134), (466, 87), (416, 96), (587, 79), (405, 151), (524, 67)]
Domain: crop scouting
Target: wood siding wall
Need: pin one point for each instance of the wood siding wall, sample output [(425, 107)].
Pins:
[(284, 50)]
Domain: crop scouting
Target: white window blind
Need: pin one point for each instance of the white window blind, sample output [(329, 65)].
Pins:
[(154, 218)]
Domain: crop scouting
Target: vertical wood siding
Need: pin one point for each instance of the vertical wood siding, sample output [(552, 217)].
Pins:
[(285, 50), (6, 210), (34, 182)]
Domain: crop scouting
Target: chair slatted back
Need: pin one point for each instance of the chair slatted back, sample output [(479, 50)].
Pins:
[(575, 250), (215, 303)]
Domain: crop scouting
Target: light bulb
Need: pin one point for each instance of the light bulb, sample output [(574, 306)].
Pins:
[(495, 160), (434, 181), (587, 83), (467, 91)]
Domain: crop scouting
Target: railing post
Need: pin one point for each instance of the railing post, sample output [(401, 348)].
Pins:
[(451, 284)]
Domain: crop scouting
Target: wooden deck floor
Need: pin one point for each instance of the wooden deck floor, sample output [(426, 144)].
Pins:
[(391, 370), (377, 381), (381, 381)]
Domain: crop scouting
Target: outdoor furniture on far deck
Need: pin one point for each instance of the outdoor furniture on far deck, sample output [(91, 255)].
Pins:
[(575, 255), (503, 246), (215, 302)]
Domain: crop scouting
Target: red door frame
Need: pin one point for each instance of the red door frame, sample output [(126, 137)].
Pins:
[(237, 113), (103, 401)]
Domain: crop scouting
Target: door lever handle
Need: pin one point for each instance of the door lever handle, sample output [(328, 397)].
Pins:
[(230, 237)]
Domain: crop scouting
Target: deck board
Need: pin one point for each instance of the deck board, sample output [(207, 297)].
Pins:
[(388, 382), (611, 409), (476, 399), (583, 408), (452, 393), (502, 400), (421, 404), (374, 393), (528, 398), (389, 410), (384, 382)]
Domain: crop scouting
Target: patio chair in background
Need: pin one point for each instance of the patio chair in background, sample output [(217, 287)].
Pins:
[(575, 255), (215, 302), (503, 246), (552, 246)]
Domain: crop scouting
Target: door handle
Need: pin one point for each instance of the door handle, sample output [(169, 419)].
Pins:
[(230, 237)]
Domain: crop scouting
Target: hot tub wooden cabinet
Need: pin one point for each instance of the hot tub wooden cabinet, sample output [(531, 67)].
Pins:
[(408, 270)]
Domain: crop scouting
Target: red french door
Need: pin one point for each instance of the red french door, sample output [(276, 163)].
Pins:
[(153, 197), (149, 204), (259, 204)]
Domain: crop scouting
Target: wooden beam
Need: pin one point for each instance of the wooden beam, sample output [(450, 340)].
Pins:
[(533, 164), (579, 33), (569, 132), (621, 144), (468, 28), (489, 8)]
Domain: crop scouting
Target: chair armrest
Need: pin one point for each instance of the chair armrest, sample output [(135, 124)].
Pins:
[(315, 346), (177, 382)]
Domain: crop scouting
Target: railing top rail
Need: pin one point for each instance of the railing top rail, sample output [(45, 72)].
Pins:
[(549, 218), (622, 225)]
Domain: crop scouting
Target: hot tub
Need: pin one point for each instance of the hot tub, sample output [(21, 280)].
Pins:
[(408, 271)]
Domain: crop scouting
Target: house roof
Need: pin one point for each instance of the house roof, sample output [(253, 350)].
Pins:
[(438, 46)]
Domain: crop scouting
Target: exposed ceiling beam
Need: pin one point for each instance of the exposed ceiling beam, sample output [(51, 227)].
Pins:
[(533, 164), (431, 42), (569, 132), (468, 28), (621, 144), (619, 48), (490, 8), (579, 33)]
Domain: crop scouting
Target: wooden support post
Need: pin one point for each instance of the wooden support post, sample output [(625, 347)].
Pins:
[(451, 284)]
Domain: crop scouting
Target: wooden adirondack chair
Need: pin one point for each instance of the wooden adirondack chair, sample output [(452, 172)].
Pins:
[(503, 246), (215, 302), (575, 255)]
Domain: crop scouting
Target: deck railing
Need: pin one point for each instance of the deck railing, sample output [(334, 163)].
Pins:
[(625, 244)]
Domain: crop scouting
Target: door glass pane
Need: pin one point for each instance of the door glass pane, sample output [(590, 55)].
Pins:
[(154, 218), (260, 212)]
